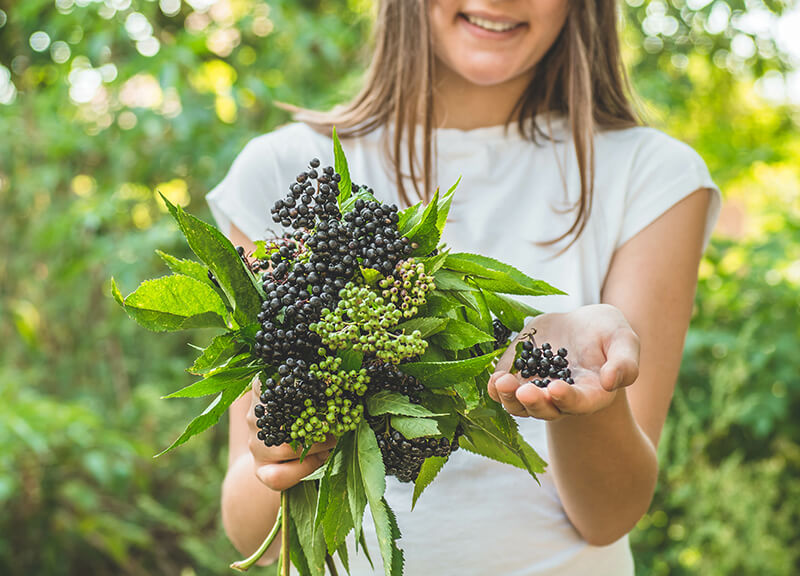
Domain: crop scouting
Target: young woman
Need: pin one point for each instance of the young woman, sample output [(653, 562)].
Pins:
[(528, 102)]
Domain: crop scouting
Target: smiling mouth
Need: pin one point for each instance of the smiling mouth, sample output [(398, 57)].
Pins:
[(491, 25)]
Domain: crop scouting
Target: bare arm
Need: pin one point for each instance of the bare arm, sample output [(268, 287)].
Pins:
[(603, 438)]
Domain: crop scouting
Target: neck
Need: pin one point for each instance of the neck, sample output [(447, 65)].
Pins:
[(458, 103)]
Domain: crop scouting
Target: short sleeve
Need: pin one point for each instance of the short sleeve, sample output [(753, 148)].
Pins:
[(664, 171), (248, 190)]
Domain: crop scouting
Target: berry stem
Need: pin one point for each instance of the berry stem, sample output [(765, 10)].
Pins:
[(285, 561), (331, 565), (244, 565)]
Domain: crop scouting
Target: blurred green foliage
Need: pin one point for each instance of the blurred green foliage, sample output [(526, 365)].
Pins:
[(103, 102)]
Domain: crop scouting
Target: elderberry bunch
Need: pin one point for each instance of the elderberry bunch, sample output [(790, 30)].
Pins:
[(407, 287), (376, 240), (543, 362), (361, 321), (385, 376), (306, 201), (403, 457)]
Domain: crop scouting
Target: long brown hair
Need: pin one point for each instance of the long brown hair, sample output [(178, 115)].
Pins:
[(580, 77)]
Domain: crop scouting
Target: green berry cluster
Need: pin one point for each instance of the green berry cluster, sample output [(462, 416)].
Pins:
[(408, 287), (362, 322), (342, 410)]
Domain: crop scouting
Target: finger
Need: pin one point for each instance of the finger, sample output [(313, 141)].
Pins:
[(537, 402), (506, 388), (283, 453), (578, 399), (280, 476), (622, 360), (491, 385)]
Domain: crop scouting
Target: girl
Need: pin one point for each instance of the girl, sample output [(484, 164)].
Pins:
[(527, 101)]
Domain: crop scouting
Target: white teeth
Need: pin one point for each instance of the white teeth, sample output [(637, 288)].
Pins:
[(489, 24)]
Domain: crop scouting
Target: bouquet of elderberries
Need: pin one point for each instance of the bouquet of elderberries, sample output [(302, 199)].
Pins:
[(355, 323)]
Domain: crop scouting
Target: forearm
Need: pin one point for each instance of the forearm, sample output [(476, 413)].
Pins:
[(605, 469), (249, 509)]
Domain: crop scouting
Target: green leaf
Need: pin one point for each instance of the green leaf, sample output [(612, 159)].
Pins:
[(216, 354), (443, 207), (302, 506), (337, 521), (260, 253), (371, 276), (460, 335), (449, 280), (428, 471), (340, 165), (510, 312), (433, 263), (493, 433), (217, 252), (116, 293), (517, 353), (173, 303), (344, 557), (443, 374), (441, 304), (356, 496), (296, 553), (386, 402), (426, 326), (216, 382), (468, 392), (412, 427), (496, 276), (373, 475), (351, 360), (425, 234), (210, 415), (409, 218), (187, 268)]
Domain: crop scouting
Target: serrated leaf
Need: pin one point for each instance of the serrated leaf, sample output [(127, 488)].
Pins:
[(216, 382), (448, 280), (216, 354), (344, 557), (302, 506), (443, 209), (362, 542), (468, 392), (426, 326), (460, 335), (217, 252), (356, 496), (412, 427), (337, 521), (296, 553), (496, 276), (351, 360), (385, 529), (409, 218), (443, 374), (187, 268), (386, 402), (425, 234), (116, 293), (495, 434), (441, 304), (340, 165), (210, 415), (427, 473), (510, 312), (433, 263), (173, 303)]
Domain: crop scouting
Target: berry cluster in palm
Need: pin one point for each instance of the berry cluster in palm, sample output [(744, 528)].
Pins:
[(543, 362)]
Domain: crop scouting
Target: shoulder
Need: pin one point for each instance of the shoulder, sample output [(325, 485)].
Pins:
[(285, 146), (647, 150)]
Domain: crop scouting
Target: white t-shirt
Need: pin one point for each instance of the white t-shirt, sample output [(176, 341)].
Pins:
[(480, 517)]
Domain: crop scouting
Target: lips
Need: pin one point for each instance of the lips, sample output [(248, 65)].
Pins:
[(490, 23)]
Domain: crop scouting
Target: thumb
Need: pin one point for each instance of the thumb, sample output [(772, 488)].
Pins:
[(622, 360)]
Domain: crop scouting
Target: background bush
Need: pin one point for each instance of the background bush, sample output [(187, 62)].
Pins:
[(103, 102)]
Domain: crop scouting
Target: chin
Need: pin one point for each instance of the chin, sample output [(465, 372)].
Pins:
[(486, 74)]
